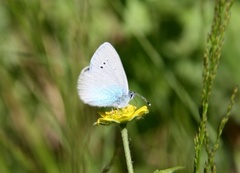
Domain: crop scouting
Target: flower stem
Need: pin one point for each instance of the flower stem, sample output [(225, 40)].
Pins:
[(124, 133)]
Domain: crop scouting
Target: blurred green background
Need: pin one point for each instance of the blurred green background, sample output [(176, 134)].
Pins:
[(44, 127)]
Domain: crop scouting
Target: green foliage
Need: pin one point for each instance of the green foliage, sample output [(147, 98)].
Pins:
[(211, 62), (170, 170)]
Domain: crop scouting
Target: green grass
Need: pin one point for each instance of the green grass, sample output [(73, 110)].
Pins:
[(44, 127)]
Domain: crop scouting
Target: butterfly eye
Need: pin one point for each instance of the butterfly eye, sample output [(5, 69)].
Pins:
[(131, 94)]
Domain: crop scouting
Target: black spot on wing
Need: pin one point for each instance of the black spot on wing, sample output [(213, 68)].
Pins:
[(86, 69), (104, 63)]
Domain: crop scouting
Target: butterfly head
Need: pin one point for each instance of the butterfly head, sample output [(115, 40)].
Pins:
[(132, 94)]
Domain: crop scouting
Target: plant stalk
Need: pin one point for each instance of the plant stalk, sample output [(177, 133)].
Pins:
[(124, 133)]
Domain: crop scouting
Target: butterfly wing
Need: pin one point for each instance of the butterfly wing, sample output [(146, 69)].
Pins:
[(104, 83)]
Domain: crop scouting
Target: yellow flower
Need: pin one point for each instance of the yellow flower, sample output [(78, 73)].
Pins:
[(121, 116)]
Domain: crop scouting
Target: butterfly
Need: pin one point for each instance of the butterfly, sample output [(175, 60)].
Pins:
[(104, 83)]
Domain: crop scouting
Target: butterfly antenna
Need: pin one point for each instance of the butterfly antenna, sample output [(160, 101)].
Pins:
[(136, 94)]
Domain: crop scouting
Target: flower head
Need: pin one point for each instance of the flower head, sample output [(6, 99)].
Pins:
[(121, 116)]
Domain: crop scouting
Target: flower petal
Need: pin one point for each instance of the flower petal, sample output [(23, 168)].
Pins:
[(120, 116)]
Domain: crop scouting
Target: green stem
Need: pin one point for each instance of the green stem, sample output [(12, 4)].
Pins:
[(126, 148)]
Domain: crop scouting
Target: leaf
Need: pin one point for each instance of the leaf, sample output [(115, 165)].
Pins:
[(169, 170)]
